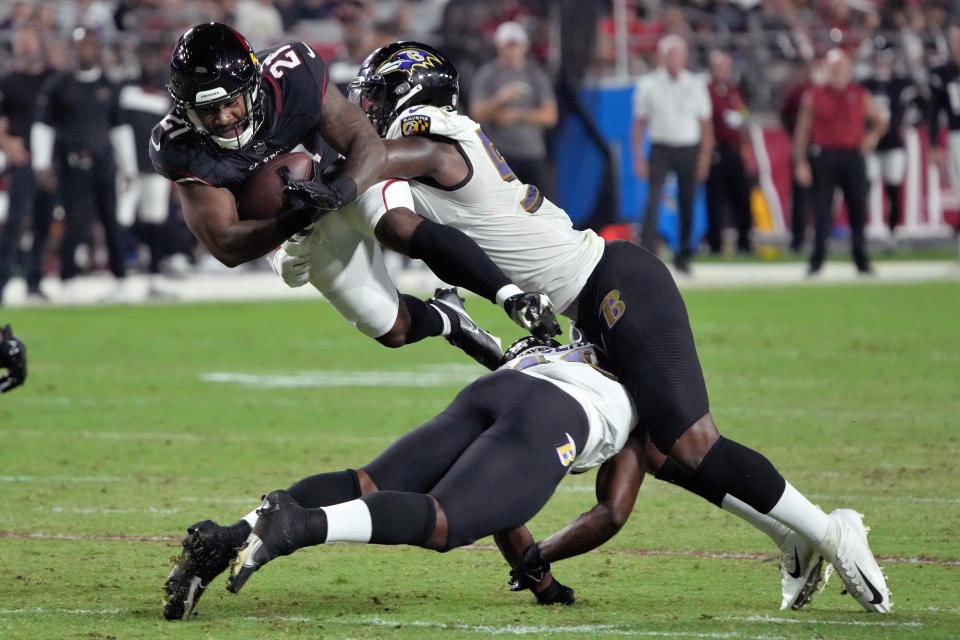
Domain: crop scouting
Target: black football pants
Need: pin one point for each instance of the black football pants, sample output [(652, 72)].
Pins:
[(89, 192)]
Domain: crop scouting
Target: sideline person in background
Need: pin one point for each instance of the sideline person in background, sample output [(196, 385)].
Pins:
[(728, 182), (513, 100), (80, 144), (673, 106), (832, 129), (18, 100)]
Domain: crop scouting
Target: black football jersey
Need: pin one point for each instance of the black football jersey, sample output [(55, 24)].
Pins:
[(18, 100), (81, 112), (893, 97), (293, 86), (944, 97)]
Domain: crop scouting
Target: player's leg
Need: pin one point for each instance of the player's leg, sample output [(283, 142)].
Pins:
[(685, 166), (658, 168), (716, 188), (824, 184), (642, 321), (77, 196), (740, 190), (105, 199), (853, 183), (894, 166), (348, 268), (19, 207), (43, 204), (499, 481)]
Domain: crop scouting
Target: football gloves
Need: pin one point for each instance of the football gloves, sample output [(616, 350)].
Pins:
[(292, 260), (13, 358), (528, 570), (315, 192), (534, 312)]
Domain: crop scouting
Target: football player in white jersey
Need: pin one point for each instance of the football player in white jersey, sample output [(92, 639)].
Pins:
[(621, 297), (485, 464)]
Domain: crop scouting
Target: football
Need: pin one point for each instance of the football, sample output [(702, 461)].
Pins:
[(262, 196)]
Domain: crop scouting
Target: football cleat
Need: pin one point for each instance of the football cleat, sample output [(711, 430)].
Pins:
[(275, 534), (801, 571), (845, 546), (464, 332), (207, 550)]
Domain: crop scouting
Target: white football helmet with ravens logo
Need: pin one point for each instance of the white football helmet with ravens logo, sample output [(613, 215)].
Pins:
[(400, 75)]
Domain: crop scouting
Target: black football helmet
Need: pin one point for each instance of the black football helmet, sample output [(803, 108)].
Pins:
[(401, 75), (212, 64)]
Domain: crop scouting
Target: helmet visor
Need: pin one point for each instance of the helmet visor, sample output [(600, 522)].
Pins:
[(371, 97)]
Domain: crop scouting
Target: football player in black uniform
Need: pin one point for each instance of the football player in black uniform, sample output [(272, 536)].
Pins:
[(894, 95), (945, 99), (13, 358), (629, 304), (235, 109)]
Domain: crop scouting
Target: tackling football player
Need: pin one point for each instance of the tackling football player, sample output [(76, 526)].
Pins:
[(234, 110), (487, 463), (621, 297)]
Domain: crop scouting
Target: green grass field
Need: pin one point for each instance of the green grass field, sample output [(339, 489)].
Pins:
[(137, 421)]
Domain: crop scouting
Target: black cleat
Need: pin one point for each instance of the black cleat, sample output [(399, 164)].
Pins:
[(279, 532), (207, 550), (465, 334)]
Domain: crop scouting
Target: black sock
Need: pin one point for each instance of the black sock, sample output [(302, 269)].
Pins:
[(325, 489), (399, 517), (425, 320), (743, 473), (237, 533), (456, 259), (673, 473)]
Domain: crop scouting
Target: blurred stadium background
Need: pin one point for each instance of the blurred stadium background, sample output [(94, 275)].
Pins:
[(592, 52)]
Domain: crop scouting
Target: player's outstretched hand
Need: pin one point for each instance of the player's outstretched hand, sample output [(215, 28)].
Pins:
[(534, 312), (317, 192), (528, 570), (13, 358)]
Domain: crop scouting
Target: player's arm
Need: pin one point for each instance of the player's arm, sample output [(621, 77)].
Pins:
[(801, 141), (418, 156), (618, 482), (211, 214), (877, 124), (458, 260), (349, 131)]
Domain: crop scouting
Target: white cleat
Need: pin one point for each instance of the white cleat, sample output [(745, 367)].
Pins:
[(801, 571), (845, 546)]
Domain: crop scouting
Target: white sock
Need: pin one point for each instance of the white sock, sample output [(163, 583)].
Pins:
[(251, 518), (774, 529), (348, 522), (801, 515), (446, 322), (505, 292)]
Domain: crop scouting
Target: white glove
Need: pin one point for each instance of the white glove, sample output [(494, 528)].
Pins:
[(292, 260)]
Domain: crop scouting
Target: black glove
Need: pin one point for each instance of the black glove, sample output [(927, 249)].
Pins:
[(13, 358), (321, 194), (534, 312), (556, 593), (528, 570)]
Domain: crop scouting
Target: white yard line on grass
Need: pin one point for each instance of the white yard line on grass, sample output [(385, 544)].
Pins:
[(433, 376), (852, 623)]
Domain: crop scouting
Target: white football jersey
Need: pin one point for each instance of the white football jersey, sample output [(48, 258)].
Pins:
[(575, 369), (531, 239)]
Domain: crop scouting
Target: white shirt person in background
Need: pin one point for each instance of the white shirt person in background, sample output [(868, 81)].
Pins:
[(673, 106)]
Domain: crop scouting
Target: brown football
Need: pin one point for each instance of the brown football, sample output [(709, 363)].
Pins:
[(262, 196)]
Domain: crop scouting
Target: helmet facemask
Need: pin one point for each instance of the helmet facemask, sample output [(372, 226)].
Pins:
[(213, 98)]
